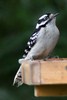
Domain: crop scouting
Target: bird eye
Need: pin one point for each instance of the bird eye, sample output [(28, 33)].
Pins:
[(45, 18)]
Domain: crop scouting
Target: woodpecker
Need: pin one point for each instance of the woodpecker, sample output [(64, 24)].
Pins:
[(41, 43)]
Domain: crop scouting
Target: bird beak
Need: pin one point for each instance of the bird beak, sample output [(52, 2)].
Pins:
[(55, 15)]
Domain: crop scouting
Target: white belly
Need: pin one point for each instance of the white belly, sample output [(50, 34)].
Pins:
[(46, 42)]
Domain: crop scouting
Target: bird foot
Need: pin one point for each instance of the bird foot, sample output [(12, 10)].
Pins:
[(50, 57)]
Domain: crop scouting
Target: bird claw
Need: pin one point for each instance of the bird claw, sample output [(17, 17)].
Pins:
[(56, 57), (49, 57)]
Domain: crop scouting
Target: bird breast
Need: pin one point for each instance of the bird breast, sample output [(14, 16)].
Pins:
[(47, 40)]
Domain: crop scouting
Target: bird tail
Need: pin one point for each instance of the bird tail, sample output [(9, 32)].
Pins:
[(18, 78)]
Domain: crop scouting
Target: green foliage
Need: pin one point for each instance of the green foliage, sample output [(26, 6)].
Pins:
[(17, 22)]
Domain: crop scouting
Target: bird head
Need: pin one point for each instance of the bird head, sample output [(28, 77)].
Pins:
[(46, 19)]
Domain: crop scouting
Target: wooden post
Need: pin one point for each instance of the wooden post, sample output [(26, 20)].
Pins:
[(50, 90), (48, 77)]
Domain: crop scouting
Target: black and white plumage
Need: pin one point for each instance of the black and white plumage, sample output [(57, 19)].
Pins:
[(33, 38), (30, 44), (41, 43)]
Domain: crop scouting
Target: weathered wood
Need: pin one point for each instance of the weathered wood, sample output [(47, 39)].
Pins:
[(48, 77), (44, 72), (54, 72), (31, 72)]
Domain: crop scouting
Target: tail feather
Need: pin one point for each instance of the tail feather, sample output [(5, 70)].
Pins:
[(18, 78)]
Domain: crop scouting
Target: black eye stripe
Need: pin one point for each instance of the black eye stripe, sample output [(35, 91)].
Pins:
[(44, 19), (41, 20)]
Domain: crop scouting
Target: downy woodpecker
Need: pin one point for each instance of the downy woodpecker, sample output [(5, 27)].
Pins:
[(41, 43)]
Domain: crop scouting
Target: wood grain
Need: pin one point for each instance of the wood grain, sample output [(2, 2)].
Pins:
[(44, 72), (48, 77)]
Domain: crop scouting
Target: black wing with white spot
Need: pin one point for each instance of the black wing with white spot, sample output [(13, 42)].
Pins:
[(41, 23), (30, 43)]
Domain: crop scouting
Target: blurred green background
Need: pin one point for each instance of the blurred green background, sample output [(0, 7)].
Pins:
[(17, 22)]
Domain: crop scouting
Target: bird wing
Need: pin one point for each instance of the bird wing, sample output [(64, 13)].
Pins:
[(30, 43)]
